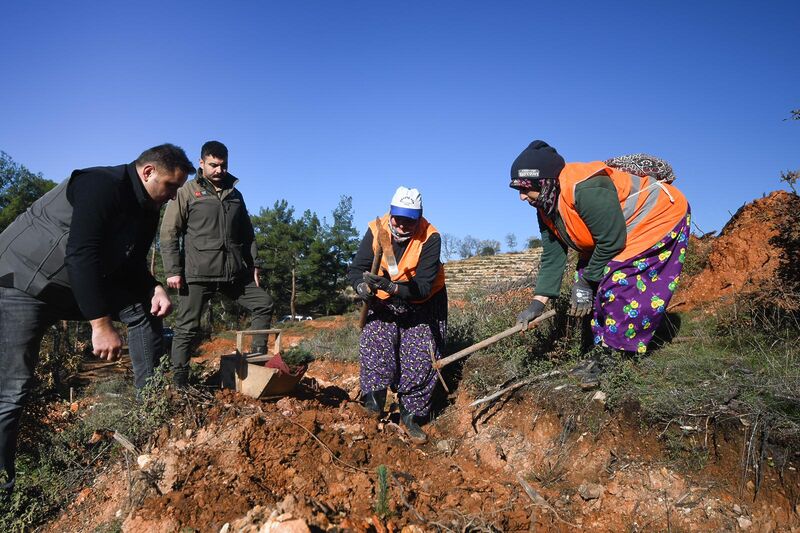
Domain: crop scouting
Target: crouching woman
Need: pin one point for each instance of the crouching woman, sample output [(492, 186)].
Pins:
[(630, 227)]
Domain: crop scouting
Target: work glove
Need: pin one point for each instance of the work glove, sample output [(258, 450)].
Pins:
[(376, 282), (582, 299), (362, 289), (530, 313)]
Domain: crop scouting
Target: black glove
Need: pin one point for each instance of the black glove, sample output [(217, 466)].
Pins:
[(582, 300), (362, 289), (376, 282), (530, 313)]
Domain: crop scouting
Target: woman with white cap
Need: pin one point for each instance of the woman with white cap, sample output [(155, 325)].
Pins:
[(407, 315)]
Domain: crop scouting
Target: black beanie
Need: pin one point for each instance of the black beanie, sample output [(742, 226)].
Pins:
[(538, 161)]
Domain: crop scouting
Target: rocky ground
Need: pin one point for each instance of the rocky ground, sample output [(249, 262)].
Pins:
[(310, 461)]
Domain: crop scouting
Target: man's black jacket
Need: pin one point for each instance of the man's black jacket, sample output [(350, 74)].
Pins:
[(83, 242)]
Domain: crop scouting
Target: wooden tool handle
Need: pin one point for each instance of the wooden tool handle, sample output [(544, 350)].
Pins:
[(376, 264), (491, 340)]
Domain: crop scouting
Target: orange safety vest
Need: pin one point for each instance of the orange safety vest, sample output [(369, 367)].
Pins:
[(407, 265), (651, 208)]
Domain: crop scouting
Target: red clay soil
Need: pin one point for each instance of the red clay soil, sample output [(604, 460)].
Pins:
[(211, 349), (741, 259), (311, 460), (298, 331)]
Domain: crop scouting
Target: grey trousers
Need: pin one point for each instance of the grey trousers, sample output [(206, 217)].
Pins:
[(23, 322), (193, 301)]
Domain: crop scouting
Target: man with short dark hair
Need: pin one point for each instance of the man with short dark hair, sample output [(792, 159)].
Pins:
[(80, 253), (208, 246)]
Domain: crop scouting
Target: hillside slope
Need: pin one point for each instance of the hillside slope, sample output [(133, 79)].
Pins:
[(483, 271)]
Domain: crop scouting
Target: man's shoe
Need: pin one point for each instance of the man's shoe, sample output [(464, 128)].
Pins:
[(180, 380), (373, 402), (411, 427), (6, 488)]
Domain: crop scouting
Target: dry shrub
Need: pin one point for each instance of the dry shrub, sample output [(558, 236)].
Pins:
[(697, 260), (788, 241), (61, 351)]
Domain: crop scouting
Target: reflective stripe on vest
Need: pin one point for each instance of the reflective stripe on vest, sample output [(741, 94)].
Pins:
[(407, 264), (651, 208), (649, 203)]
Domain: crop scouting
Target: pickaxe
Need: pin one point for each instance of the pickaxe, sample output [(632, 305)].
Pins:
[(382, 247)]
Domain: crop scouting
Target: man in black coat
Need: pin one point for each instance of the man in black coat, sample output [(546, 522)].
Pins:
[(80, 252)]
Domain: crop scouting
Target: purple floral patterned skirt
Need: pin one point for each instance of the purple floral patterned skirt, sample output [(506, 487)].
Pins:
[(633, 295), (395, 350)]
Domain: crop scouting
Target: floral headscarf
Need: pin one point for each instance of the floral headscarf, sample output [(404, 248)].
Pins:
[(643, 165)]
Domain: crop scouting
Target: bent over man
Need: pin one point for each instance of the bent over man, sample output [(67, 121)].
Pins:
[(80, 252), (208, 246), (407, 315)]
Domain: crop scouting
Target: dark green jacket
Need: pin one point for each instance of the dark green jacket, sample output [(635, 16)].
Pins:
[(598, 205), (205, 236)]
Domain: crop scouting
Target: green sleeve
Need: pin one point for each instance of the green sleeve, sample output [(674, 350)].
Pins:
[(173, 227), (248, 239), (553, 263), (598, 206)]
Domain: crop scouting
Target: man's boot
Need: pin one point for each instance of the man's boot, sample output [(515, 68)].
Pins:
[(6, 488), (180, 378), (258, 349), (373, 402), (259, 343), (411, 427)]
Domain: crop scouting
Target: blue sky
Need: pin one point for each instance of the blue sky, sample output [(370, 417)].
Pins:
[(325, 98)]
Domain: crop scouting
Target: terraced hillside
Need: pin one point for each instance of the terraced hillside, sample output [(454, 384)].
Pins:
[(481, 271)]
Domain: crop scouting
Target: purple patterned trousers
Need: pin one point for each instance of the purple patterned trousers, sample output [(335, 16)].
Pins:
[(633, 295), (395, 351)]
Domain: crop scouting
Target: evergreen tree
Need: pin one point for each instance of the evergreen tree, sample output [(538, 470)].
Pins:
[(306, 260), (19, 188), (278, 249), (341, 239)]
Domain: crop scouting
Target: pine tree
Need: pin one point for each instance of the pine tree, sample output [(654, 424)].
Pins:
[(19, 188)]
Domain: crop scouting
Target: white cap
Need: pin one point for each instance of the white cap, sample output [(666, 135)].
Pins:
[(406, 203)]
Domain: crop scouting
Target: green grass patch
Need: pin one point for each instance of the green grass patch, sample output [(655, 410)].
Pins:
[(740, 365), (722, 372), (340, 344), (53, 465), (553, 343)]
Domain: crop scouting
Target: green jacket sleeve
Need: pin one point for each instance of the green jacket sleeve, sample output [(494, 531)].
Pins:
[(553, 263), (173, 228), (598, 206), (248, 238)]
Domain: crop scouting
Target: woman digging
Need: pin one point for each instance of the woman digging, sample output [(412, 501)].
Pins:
[(630, 227), (407, 317)]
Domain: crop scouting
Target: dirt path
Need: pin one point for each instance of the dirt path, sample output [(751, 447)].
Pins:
[(312, 459)]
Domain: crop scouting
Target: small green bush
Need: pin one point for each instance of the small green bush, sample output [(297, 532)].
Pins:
[(297, 356), (49, 473)]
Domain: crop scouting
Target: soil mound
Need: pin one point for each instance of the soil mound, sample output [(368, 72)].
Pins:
[(310, 461), (747, 257)]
